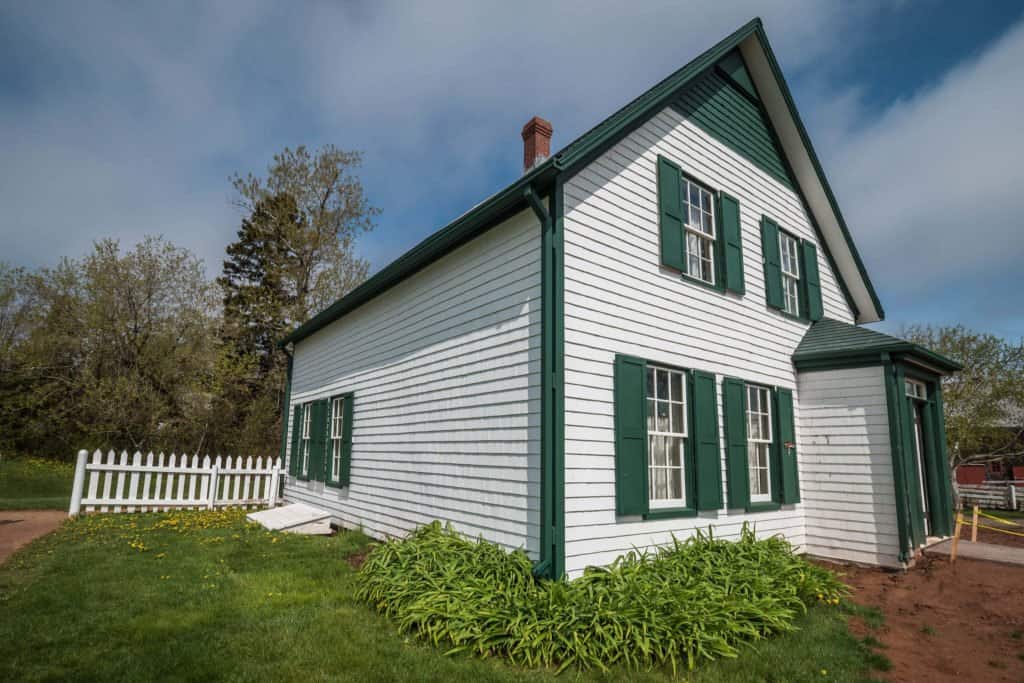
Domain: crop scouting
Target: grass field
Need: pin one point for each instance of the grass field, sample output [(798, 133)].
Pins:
[(35, 484), (204, 595)]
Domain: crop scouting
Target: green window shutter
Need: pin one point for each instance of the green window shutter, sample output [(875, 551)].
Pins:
[(670, 213), (787, 455), (772, 262), (734, 407), (812, 280), (707, 461), (346, 440), (293, 462), (630, 436), (318, 441), (730, 236)]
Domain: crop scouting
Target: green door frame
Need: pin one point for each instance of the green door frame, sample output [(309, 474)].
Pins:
[(937, 484)]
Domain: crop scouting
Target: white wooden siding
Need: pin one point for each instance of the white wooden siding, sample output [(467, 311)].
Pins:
[(619, 300), (445, 368), (846, 474)]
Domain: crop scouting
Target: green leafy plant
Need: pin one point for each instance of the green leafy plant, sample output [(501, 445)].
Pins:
[(691, 601)]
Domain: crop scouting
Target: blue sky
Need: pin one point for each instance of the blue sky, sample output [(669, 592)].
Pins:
[(126, 119)]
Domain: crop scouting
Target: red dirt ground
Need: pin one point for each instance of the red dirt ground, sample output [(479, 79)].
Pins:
[(19, 527), (946, 622)]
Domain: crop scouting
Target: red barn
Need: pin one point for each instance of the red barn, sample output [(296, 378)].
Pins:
[(970, 474)]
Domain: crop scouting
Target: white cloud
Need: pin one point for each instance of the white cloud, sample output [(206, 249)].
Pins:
[(933, 187)]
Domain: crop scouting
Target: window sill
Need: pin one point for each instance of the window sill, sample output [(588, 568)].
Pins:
[(334, 485), (766, 506), (702, 283), (670, 513), (790, 316)]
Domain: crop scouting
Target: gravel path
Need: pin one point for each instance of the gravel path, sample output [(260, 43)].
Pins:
[(19, 527)]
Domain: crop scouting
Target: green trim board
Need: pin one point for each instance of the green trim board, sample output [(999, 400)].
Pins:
[(571, 159), (285, 412), (552, 527), (892, 394)]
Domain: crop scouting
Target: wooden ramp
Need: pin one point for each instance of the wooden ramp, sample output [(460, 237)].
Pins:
[(297, 518)]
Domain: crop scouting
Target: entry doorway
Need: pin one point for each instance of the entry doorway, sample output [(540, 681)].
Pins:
[(917, 394), (926, 489)]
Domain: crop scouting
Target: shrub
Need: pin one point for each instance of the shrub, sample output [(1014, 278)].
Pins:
[(690, 601)]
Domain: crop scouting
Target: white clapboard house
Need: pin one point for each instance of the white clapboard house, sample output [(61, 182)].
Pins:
[(656, 329)]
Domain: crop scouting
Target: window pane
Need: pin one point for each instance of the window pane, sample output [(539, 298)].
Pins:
[(675, 451), (662, 384), (694, 220), (765, 428), (663, 425), (764, 480), (705, 201), (657, 451), (694, 195), (705, 222), (650, 382), (660, 484), (650, 415), (675, 483), (677, 417), (677, 386)]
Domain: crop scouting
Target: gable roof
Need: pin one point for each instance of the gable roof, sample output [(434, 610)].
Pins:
[(767, 78), (831, 340)]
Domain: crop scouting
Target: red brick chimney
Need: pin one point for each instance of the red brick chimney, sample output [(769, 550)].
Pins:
[(536, 142)]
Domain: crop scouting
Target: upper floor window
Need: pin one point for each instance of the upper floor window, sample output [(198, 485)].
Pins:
[(699, 232), (666, 434), (699, 216), (759, 442), (789, 252)]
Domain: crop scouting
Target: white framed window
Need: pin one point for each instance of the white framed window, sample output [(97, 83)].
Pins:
[(304, 444), (789, 252), (337, 429), (666, 437), (917, 390), (759, 442), (699, 214)]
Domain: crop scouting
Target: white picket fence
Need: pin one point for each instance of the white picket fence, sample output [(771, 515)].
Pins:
[(173, 483), (1001, 495)]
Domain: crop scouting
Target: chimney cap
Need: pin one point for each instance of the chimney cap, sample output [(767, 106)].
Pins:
[(537, 125)]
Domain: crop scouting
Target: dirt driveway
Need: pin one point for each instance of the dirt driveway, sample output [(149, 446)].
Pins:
[(961, 622), (19, 527)]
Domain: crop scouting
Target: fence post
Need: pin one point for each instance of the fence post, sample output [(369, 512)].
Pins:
[(275, 475), (956, 535), (213, 488), (974, 525), (79, 484), (1013, 496)]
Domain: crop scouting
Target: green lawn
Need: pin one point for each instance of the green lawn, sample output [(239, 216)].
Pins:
[(205, 596), (35, 484)]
